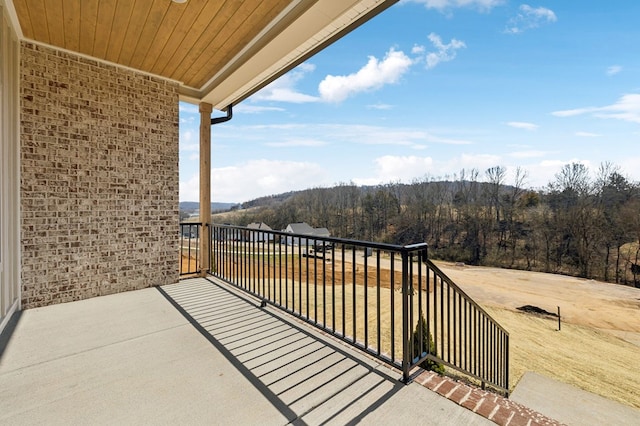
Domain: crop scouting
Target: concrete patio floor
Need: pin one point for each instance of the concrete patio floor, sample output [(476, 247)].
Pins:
[(197, 352)]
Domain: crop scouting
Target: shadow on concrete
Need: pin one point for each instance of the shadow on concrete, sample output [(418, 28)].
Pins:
[(7, 332), (303, 374)]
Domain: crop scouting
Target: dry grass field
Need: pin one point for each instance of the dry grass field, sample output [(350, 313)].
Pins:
[(597, 348)]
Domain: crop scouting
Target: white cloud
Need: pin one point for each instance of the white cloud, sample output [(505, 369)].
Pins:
[(282, 126), (283, 94), (186, 136), (380, 106), (587, 134), (187, 142), (297, 143), (284, 88), (522, 125), (255, 178), (627, 108), (445, 52), (527, 154), (245, 108), (390, 168), (613, 70), (528, 18), (188, 108), (378, 135), (373, 75), (189, 189), (418, 49), (398, 168), (632, 165), (479, 162), (574, 112), (357, 134), (540, 174), (441, 5)]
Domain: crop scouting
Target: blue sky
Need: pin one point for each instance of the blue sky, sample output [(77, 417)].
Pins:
[(431, 87)]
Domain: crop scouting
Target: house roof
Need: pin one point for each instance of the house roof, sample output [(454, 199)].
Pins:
[(261, 225), (219, 51), (322, 232), (306, 229), (300, 228)]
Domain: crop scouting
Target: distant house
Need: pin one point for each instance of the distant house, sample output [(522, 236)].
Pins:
[(300, 228), (322, 232), (303, 228), (259, 236)]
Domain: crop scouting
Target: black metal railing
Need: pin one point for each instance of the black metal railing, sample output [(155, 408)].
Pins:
[(465, 337), (190, 248), (390, 301)]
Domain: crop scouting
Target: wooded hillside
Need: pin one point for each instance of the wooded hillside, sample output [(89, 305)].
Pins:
[(581, 224)]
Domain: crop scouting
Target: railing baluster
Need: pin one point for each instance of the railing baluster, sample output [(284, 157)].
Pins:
[(406, 343), (315, 283), (333, 288), (427, 307), (343, 279), (300, 277), (286, 274), (279, 269), (392, 287), (306, 263), (324, 287), (378, 331), (366, 300), (354, 268), (411, 320), (448, 324), (423, 344)]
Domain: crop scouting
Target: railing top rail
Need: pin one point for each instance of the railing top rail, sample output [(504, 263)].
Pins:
[(416, 246), (465, 295), (344, 241), (190, 223)]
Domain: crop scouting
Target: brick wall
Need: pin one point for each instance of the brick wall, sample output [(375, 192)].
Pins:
[(99, 184)]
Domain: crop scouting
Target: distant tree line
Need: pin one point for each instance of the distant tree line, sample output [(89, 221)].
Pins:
[(581, 224)]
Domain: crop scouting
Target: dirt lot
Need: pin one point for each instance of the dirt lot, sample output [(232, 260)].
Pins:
[(604, 306)]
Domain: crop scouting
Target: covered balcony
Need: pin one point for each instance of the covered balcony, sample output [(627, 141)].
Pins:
[(97, 326)]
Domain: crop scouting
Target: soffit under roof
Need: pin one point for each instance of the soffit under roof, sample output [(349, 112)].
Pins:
[(220, 51)]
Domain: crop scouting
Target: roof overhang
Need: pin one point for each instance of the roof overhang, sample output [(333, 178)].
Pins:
[(219, 52)]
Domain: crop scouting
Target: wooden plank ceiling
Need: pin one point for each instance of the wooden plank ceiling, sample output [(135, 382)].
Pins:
[(199, 43)]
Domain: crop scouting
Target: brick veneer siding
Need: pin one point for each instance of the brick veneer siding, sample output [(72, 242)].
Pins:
[(99, 184)]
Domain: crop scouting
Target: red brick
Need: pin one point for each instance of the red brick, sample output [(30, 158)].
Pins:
[(472, 401), (459, 394), (486, 408), (436, 382), (446, 387), (425, 377), (519, 420), (501, 416)]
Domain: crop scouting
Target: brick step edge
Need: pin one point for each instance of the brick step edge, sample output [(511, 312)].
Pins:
[(491, 406)]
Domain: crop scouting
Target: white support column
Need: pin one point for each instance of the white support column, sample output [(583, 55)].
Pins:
[(205, 185)]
